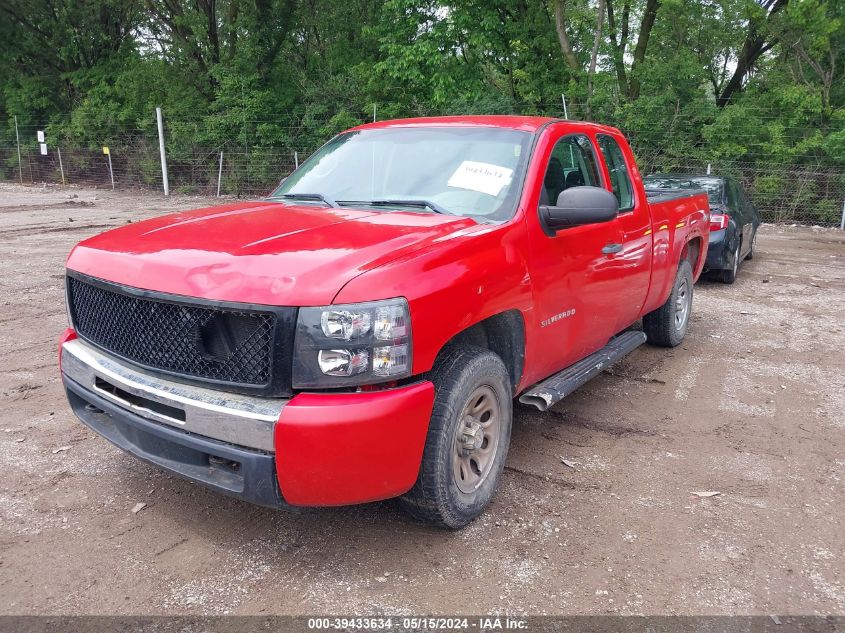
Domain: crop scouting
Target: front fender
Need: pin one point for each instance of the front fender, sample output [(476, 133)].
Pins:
[(452, 285)]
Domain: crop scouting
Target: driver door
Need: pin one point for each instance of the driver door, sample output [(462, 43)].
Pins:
[(575, 279)]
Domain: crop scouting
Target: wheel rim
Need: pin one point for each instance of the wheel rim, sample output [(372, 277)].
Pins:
[(682, 303), (736, 259), (476, 440)]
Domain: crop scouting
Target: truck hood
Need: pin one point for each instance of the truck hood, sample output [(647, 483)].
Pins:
[(259, 252)]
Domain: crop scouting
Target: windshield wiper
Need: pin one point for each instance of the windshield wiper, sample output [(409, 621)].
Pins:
[(308, 196), (399, 202)]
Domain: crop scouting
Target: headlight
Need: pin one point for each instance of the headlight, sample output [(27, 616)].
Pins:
[(354, 344), (342, 362), (344, 324)]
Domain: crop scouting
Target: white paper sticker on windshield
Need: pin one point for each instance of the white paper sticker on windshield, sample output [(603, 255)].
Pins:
[(484, 177)]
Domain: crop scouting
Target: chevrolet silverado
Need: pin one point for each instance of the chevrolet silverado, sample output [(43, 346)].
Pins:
[(363, 332)]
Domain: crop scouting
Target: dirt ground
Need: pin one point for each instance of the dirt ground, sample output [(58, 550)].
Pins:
[(752, 406)]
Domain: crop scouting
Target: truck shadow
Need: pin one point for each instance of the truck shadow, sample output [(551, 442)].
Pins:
[(197, 512), (537, 486)]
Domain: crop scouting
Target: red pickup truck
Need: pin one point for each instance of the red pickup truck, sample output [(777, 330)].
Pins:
[(362, 333)]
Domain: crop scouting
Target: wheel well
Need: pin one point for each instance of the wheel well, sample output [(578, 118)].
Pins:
[(503, 334), (691, 252)]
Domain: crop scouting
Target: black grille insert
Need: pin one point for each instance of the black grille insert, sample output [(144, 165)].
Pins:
[(208, 343)]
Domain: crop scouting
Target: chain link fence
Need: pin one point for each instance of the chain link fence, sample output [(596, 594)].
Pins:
[(237, 172), (785, 194), (798, 193)]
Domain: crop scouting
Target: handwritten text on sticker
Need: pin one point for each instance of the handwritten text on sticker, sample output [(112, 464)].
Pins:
[(484, 177)]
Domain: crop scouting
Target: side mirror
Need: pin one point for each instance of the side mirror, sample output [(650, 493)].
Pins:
[(579, 205)]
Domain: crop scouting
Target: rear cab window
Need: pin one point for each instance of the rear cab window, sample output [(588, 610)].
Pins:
[(620, 178)]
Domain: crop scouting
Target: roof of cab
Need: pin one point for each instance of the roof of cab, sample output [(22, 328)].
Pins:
[(524, 123)]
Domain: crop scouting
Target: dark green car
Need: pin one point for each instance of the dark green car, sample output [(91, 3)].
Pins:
[(734, 219)]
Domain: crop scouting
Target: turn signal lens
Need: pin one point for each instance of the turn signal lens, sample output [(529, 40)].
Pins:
[(390, 323), (343, 362), (390, 360)]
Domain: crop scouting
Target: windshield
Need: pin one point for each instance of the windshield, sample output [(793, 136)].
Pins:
[(713, 186), (467, 171)]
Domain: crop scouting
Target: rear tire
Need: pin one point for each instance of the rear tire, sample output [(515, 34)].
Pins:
[(750, 254), (729, 276), (668, 325), (468, 438)]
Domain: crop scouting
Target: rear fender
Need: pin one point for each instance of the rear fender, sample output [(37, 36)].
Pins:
[(676, 224)]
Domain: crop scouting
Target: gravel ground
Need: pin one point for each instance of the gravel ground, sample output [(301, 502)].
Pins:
[(752, 406)]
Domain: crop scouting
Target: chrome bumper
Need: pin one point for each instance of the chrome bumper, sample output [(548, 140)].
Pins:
[(237, 419)]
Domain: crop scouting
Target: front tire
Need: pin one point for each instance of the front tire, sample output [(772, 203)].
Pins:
[(668, 325), (468, 438)]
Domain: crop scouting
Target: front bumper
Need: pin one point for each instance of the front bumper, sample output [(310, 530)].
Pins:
[(315, 449), (232, 470)]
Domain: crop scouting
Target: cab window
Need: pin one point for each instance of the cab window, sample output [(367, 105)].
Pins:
[(733, 196), (742, 204), (572, 164), (620, 179)]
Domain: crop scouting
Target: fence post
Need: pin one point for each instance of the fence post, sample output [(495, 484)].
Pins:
[(18, 139), (842, 224), (296, 160), (219, 173), (61, 167), (161, 151), (565, 113), (107, 152)]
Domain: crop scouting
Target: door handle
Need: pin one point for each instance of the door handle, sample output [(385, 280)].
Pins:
[(610, 249)]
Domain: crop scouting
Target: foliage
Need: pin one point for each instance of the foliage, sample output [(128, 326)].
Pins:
[(756, 81)]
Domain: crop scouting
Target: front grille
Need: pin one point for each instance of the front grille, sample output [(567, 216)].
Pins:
[(208, 343)]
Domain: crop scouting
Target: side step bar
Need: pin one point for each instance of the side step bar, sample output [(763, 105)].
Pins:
[(543, 395)]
